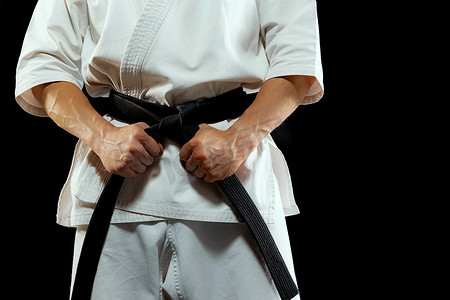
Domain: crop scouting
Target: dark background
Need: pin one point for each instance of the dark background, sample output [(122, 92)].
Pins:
[(332, 149)]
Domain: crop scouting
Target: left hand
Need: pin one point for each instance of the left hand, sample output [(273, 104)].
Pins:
[(214, 154)]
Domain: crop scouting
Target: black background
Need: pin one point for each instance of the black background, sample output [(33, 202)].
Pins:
[(332, 149)]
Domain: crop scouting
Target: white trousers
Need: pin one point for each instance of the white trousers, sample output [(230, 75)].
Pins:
[(177, 259)]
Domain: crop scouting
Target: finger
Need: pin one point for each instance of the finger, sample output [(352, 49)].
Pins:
[(216, 174), (185, 152), (146, 160), (191, 164), (199, 173), (149, 143), (144, 157), (151, 146), (209, 178), (127, 173), (138, 167)]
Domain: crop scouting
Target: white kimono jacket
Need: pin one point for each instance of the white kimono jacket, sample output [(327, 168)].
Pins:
[(170, 52)]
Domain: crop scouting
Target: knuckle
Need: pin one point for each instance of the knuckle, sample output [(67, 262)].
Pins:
[(194, 142), (214, 174), (190, 166), (125, 160), (200, 155), (121, 167), (134, 149), (138, 129), (139, 133), (205, 165), (199, 174)]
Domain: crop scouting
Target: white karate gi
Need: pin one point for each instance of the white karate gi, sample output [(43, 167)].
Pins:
[(170, 52)]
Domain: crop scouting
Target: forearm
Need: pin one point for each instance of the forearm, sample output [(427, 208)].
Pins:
[(69, 108), (277, 99), (126, 150), (214, 154)]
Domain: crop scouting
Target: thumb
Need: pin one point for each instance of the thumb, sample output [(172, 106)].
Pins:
[(143, 125)]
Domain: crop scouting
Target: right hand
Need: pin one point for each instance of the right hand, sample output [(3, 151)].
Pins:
[(127, 151)]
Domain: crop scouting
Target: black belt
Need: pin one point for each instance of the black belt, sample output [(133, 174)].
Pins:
[(179, 124)]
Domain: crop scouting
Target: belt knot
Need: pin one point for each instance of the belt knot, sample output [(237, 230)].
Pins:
[(180, 127)]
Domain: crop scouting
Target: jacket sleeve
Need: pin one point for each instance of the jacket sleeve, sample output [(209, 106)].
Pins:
[(51, 49), (290, 33)]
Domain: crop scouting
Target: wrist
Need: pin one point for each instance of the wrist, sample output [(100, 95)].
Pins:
[(97, 135), (243, 138), (251, 128)]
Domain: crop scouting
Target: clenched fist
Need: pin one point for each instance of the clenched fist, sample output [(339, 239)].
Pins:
[(127, 151), (214, 154)]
